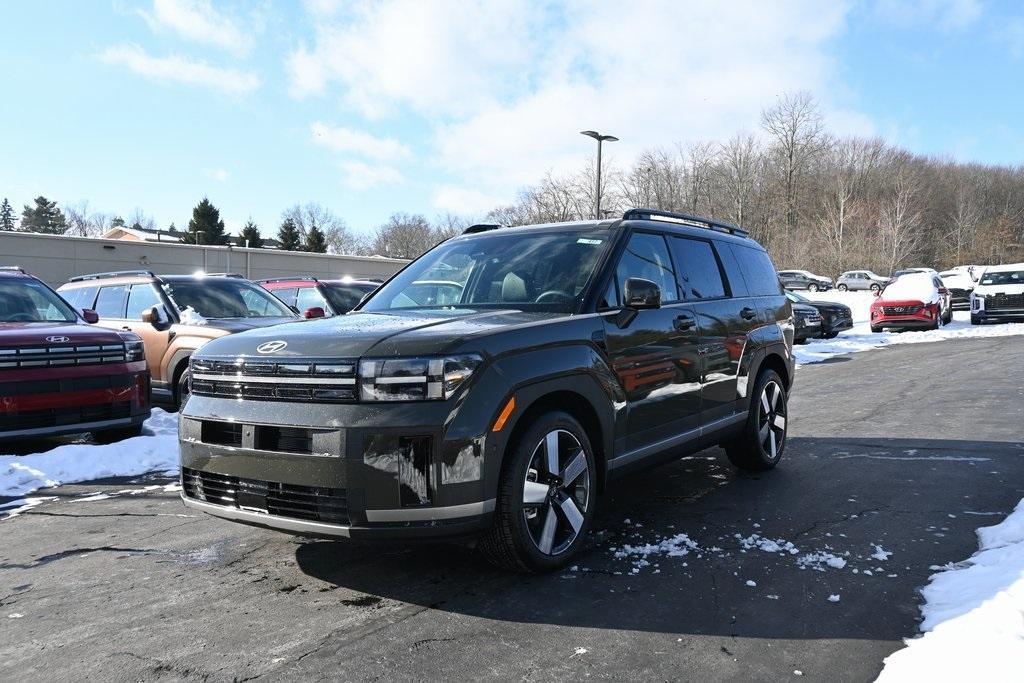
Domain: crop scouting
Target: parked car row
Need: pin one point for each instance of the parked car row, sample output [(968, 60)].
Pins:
[(818, 319)]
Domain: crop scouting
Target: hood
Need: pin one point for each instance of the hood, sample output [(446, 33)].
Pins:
[(232, 325), (35, 334), (416, 332), (993, 290), (804, 309)]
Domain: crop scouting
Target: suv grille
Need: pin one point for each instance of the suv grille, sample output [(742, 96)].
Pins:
[(1004, 302), (900, 310), (320, 381), (57, 356), (61, 417), (311, 503)]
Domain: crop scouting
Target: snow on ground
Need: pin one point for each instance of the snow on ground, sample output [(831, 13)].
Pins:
[(861, 338), (155, 451), (973, 623)]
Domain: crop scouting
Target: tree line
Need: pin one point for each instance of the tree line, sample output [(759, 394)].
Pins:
[(816, 200), (310, 227)]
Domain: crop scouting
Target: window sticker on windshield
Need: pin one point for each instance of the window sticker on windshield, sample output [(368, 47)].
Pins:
[(584, 240)]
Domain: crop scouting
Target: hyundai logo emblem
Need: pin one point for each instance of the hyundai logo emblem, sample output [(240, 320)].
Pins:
[(271, 346), (58, 340)]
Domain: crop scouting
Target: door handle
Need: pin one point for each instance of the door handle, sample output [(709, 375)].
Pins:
[(683, 322), (748, 313), (125, 327)]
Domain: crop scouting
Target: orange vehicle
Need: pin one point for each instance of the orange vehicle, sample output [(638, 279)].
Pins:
[(175, 315)]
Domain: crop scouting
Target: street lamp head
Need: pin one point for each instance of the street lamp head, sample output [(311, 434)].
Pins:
[(591, 134), (609, 138)]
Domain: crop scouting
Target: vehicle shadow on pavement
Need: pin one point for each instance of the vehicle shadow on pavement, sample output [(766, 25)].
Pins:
[(834, 543)]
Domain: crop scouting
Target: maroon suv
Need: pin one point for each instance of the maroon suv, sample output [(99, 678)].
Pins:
[(59, 375)]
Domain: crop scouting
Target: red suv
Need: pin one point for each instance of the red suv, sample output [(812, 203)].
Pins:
[(315, 298), (912, 301), (59, 375)]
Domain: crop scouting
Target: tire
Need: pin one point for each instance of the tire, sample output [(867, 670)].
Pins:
[(948, 318), (812, 287), (182, 388), (875, 287), (830, 335), (842, 287), (538, 528), (763, 441), (876, 330), (107, 436), (975, 320), (937, 323)]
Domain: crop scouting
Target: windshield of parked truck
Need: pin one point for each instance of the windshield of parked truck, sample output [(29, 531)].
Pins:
[(1005, 277), (23, 300), (226, 298), (536, 270)]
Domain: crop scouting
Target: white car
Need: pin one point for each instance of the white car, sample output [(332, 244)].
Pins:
[(974, 272), (999, 295), (960, 285)]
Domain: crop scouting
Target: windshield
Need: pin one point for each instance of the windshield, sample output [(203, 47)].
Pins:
[(226, 298), (1005, 277), (28, 301), (543, 270), (343, 298)]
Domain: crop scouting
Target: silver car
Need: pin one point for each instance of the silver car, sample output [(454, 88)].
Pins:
[(861, 279)]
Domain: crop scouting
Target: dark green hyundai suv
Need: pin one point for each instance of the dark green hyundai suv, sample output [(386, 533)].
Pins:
[(550, 360)]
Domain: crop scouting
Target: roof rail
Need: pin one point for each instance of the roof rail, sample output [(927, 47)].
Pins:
[(112, 274), (684, 219), (286, 279), (482, 227), (14, 269), (237, 275)]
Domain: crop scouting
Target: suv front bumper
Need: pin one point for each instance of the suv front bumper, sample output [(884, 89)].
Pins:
[(355, 470)]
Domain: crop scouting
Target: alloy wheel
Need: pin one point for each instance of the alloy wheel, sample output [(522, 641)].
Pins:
[(771, 419), (556, 492)]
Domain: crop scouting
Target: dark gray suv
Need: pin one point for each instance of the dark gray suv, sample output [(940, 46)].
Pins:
[(572, 353)]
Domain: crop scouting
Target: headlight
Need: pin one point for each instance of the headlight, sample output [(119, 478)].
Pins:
[(414, 379), (133, 351)]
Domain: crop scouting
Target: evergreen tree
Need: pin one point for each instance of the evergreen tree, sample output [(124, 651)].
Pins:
[(289, 236), (43, 217), (6, 215), (117, 222), (316, 241), (206, 227), (250, 236)]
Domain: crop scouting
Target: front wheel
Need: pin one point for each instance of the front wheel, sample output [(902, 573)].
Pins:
[(876, 287), (830, 335), (183, 389), (976, 320), (760, 445), (842, 287), (109, 436), (812, 287), (948, 318), (546, 497), (876, 330)]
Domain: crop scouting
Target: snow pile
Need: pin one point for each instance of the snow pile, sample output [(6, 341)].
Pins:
[(861, 338), (190, 316), (155, 451), (973, 622)]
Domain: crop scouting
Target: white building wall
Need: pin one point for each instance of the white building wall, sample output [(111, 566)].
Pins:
[(55, 258)]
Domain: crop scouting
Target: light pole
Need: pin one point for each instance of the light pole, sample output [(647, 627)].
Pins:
[(600, 139)]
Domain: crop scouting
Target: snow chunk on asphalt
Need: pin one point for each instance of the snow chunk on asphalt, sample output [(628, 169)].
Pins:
[(881, 554), (972, 614), (752, 584), (155, 451), (779, 545), (676, 546), (833, 598), (820, 560)]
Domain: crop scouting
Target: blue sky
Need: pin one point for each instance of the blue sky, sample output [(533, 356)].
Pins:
[(429, 107)]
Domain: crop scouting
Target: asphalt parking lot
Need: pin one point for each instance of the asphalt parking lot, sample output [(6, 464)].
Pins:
[(895, 457)]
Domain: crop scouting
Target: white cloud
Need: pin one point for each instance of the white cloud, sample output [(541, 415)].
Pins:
[(218, 174), (505, 87), (359, 175), (341, 139), (180, 69), (198, 21), (461, 200)]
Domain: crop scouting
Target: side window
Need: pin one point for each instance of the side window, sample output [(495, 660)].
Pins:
[(611, 296), (308, 297), (733, 271), (111, 300), (141, 298), (286, 294), (79, 297), (646, 256), (758, 271), (700, 276)]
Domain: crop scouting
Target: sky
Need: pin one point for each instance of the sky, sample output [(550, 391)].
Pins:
[(453, 106)]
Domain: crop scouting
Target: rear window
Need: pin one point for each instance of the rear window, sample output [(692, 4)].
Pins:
[(758, 271)]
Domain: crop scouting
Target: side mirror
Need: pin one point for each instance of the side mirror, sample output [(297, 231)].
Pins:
[(90, 316), (153, 317), (314, 312), (641, 294)]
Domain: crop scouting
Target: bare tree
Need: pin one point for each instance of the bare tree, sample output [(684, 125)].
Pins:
[(404, 236), (738, 171), (899, 221), (339, 238), (796, 126)]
